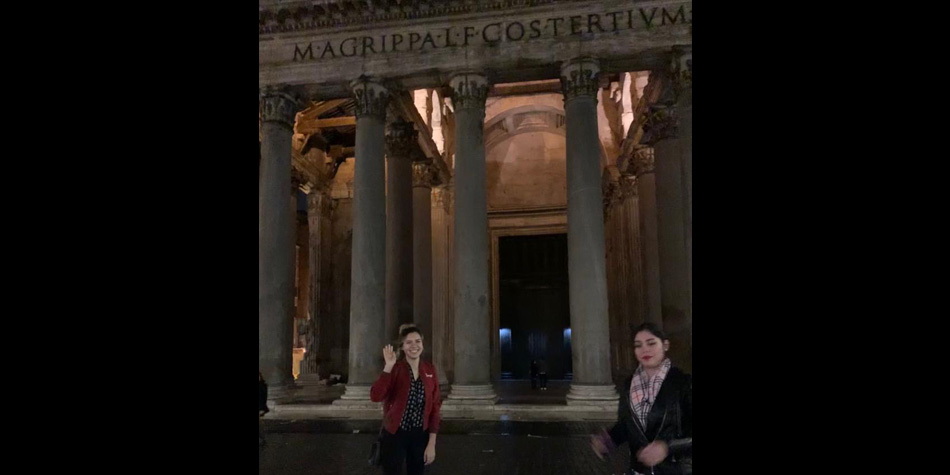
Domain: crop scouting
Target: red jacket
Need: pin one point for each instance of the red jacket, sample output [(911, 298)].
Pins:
[(393, 390)]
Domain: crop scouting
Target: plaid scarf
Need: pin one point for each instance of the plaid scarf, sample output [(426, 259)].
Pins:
[(643, 391)]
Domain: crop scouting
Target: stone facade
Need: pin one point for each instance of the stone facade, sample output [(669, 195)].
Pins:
[(507, 116)]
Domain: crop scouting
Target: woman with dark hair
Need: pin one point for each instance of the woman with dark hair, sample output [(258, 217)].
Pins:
[(655, 413), (408, 387)]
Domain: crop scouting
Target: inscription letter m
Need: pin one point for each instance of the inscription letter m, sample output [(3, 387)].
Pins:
[(680, 14), (302, 55)]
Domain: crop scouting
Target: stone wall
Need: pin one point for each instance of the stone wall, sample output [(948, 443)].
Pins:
[(527, 171)]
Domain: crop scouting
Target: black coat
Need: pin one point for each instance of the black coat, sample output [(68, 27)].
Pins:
[(262, 397), (670, 420)]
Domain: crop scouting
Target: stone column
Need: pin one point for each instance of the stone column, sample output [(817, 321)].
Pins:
[(590, 338), (442, 315), (368, 282), (424, 176), (276, 243), (649, 250), (298, 275), (300, 293), (399, 144), (614, 249), (336, 337), (668, 128), (327, 322), (683, 83), (624, 281), (472, 383), (318, 212), (632, 268)]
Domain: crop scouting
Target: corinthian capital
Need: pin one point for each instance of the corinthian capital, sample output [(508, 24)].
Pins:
[(318, 202), (442, 197), (610, 192), (580, 77), (424, 174), (469, 90), (400, 139), (279, 105), (660, 123), (643, 162), (682, 69), (628, 185), (371, 98)]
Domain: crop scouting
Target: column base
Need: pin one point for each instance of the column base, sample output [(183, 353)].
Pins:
[(600, 395), (356, 396), (472, 395), (279, 394), (308, 386), (308, 379)]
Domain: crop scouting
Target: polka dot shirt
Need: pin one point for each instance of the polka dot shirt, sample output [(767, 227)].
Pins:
[(412, 418)]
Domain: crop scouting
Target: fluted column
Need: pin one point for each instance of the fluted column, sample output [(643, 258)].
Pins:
[(590, 334), (624, 269), (318, 219), (442, 314), (368, 282), (668, 129), (276, 242), (399, 262), (683, 81), (472, 384), (298, 278), (614, 242), (300, 292), (632, 267), (643, 165), (423, 177)]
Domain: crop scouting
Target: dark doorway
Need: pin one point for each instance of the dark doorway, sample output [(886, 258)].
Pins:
[(535, 314)]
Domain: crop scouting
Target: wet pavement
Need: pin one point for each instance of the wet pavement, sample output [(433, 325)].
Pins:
[(333, 447), (331, 441)]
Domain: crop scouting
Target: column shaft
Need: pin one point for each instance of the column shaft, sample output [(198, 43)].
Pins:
[(442, 316), (590, 333), (649, 250), (368, 284), (276, 243), (472, 308), (669, 130), (422, 180), (317, 208), (399, 260)]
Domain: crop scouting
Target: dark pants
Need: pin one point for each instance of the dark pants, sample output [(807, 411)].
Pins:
[(534, 381), (408, 446), (544, 380)]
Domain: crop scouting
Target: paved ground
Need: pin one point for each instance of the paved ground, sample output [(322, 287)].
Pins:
[(333, 441), (330, 447), (508, 391)]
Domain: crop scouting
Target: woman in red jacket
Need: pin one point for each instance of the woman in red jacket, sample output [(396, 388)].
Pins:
[(409, 390)]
